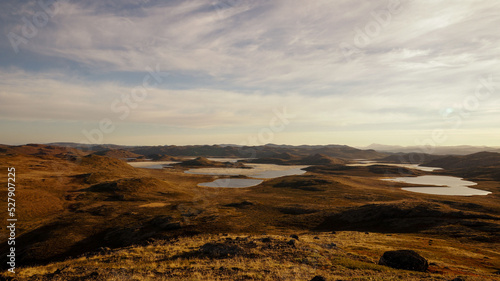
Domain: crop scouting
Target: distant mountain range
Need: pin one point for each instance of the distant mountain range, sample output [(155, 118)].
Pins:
[(269, 150), (439, 150), (373, 151)]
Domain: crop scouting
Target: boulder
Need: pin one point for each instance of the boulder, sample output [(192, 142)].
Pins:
[(404, 259), (220, 250)]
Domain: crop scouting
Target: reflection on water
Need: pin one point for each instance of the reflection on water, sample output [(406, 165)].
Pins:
[(232, 183), (260, 171), (446, 185), (409, 166), (232, 160), (152, 165), (256, 171)]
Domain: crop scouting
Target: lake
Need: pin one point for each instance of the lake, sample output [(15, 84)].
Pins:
[(444, 185), (257, 172), (260, 171), (232, 183), (409, 166), (152, 165)]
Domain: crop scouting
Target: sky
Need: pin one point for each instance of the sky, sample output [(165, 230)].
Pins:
[(146, 72)]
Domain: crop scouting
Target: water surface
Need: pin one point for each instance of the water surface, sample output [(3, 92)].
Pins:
[(257, 172), (232, 183), (260, 171), (152, 164), (443, 185), (409, 166)]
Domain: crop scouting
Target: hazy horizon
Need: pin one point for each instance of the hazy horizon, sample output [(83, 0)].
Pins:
[(373, 146), (410, 73)]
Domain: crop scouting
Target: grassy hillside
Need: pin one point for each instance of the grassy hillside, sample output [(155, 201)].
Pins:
[(334, 256), (471, 161), (97, 218)]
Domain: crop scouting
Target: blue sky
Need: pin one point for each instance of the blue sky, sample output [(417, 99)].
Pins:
[(250, 72)]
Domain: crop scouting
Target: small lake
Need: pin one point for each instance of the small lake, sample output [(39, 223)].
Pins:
[(257, 172), (152, 164), (260, 171), (443, 185), (232, 183), (232, 160), (409, 166)]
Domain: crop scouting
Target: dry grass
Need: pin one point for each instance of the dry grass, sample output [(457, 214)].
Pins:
[(276, 260), (64, 217)]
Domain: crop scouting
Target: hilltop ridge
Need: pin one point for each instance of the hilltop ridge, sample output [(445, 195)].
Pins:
[(82, 211)]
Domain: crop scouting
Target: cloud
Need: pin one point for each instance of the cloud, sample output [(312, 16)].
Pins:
[(279, 44), (255, 56), (46, 97)]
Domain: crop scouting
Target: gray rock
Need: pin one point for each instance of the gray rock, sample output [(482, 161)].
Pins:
[(220, 250), (404, 259)]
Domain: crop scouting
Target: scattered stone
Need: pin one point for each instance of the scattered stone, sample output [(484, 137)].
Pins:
[(294, 236), (220, 250), (330, 246), (318, 278), (404, 259)]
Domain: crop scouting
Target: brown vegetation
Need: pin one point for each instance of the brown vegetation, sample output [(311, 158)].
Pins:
[(115, 221)]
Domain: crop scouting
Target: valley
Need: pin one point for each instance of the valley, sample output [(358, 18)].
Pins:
[(91, 216)]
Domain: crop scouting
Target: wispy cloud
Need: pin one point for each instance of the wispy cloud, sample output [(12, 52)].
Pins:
[(255, 55)]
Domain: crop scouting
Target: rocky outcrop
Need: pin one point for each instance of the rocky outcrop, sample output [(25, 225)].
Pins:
[(404, 259)]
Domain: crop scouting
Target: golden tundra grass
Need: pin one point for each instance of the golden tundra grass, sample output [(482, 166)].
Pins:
[(354, 258), (49, 193)]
